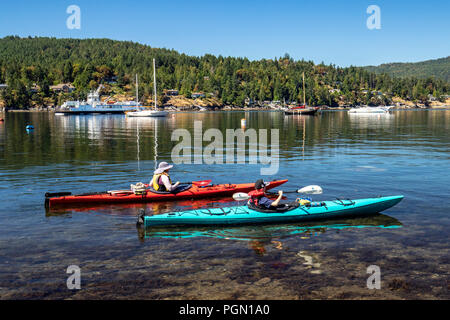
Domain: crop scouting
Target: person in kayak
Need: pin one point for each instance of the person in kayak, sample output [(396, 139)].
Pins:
[(161, 179), (258, 196)]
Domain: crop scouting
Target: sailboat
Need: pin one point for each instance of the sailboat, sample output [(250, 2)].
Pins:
[(150, 113), (302, 110)]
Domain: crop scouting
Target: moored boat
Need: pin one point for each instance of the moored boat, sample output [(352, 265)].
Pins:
[(149, 112), (302, 110), (370, 110), (309, 111), (93, 105)]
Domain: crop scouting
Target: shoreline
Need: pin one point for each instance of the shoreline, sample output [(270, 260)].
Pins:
[(443, 107)]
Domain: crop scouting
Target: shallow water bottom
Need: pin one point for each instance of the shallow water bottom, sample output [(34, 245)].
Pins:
[(317, 264)]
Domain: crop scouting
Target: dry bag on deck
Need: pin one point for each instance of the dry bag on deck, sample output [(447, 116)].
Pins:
[(138, 188)]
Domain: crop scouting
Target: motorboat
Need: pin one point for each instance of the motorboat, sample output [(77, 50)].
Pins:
[(367, 109)]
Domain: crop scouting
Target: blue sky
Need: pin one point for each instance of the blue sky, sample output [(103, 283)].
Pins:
[(329, 31)]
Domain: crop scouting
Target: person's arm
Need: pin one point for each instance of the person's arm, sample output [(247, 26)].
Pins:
[(276, 202), (167, 184)]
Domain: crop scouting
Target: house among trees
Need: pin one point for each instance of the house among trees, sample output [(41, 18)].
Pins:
[(3, 86), (171, 92), (249, 101), (63, 87), (111, 80), (35, 88), (196, 95)]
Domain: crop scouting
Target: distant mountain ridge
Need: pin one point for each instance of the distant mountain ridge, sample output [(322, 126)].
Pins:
[(438, 68)]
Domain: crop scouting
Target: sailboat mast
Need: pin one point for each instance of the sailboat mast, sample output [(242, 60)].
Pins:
[(154, 80), (304, 98)]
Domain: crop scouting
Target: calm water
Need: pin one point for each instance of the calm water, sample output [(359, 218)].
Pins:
[(350, 156)]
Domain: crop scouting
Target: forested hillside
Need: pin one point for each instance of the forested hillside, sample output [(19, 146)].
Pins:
[(29, 66), (438, 68)]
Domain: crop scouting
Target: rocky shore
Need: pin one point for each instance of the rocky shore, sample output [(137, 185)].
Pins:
[(183, 105)]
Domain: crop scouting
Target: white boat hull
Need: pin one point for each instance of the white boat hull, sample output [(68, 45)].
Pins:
[(147, 113), (369, 110)]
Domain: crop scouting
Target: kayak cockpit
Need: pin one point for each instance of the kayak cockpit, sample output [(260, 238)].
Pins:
[(178, 189), (285, 207)]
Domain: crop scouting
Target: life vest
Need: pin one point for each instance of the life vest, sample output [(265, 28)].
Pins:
[(255, 196), (157, 185)]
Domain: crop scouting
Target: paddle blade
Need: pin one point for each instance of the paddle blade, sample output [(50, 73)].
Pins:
[(202, 183), (240, 196), (310, 190)]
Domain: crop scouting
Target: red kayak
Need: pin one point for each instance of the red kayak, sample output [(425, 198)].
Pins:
[(192, 191)]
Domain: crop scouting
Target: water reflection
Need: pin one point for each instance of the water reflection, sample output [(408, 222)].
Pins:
[(265, 234), (133, 209), (92, 127), (146, 124), (371, 120), (58, 139)]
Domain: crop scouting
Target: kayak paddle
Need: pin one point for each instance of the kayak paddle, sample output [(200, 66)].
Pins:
[(202, 183), (313, 189)]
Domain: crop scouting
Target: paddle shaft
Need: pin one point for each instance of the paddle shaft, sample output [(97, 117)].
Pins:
[(284, 192), (198, 183)]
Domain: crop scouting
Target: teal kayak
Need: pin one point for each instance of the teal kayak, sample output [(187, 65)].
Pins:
[(283, 214)]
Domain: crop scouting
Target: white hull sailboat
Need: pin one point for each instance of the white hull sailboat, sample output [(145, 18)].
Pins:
[(151, 112), (147, 113)]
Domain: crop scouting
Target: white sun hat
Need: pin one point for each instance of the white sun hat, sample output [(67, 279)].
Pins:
[(163, 166)]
